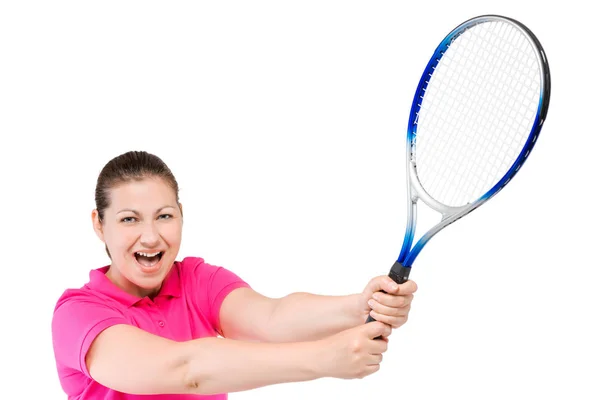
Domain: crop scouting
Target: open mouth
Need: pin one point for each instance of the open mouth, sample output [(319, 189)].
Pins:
[(148, 260)]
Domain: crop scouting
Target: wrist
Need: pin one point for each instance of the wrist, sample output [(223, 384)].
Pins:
[(316, 359), (357, 308)]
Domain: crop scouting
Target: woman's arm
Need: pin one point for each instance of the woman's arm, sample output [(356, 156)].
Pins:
[(127, 359), (248, 315)]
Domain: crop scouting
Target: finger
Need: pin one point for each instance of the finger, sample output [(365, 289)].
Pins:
[(384, 338), (388, 285), (374, 359), (377, 346), (389, 311), (382, 283), (393, 300), (408, 287), (377, 328), (393, 322), (370, 369)]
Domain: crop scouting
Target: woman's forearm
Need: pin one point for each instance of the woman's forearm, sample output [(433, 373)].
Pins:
[(306, 316), (216, 365)]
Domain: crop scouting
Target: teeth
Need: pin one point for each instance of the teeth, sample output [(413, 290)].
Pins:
[(148, 254)]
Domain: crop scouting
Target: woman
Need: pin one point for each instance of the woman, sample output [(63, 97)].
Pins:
[(148, 324)]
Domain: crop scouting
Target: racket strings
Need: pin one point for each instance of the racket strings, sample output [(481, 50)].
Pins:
[(477, 112), (477, 124)]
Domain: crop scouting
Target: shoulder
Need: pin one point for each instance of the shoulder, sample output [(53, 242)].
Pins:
[(81, 307), (82, 297), (190, 263), (79, 317), (208, 285), (94, 291), (196, 269)]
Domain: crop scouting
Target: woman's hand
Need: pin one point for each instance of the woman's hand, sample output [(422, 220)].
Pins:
[(353, 353), (386, 301)]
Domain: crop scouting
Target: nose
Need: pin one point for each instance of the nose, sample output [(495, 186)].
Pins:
[(149, 235)]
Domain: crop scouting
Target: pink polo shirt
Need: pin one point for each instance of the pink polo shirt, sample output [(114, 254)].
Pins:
[(186, 308)]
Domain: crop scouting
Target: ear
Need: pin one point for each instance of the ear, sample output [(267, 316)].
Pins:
[(181, 209), (98, 228)]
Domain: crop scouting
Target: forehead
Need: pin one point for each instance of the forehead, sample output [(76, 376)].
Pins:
[(139, 194)]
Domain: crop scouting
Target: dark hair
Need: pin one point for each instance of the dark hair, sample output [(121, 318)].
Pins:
[(133, 165)]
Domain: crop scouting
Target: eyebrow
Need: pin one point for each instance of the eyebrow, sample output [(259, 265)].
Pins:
[(137, 213)]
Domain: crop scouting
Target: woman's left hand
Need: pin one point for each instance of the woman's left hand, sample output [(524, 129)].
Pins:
[(388, 302)]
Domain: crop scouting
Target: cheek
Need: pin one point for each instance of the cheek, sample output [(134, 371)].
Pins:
[(172, 234), (118, 239)]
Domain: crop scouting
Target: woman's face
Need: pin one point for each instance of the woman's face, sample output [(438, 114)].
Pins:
[(142, 231)]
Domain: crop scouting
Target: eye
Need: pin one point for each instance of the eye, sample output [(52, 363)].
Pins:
[(128, 220), (165, 216)]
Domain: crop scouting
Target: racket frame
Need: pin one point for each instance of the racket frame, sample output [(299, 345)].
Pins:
[(415, 190), (400, 271)]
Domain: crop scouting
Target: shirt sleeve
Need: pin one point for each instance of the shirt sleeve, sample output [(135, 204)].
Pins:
[(78, 319), (214, 283)]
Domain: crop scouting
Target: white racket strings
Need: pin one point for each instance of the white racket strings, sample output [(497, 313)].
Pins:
[(477, 112)]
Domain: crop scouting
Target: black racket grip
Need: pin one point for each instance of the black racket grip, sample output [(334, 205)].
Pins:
[(399, 274)]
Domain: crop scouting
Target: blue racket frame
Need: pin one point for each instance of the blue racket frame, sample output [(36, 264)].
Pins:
[(400, 271)]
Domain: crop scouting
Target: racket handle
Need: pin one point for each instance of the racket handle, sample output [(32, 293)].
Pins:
[(399, 274)]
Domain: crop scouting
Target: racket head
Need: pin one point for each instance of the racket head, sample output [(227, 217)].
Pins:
[(476, 115)]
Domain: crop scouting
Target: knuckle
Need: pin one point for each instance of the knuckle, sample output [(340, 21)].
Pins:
[(355, 346), (402, 311), (400, 323), (375, 306)]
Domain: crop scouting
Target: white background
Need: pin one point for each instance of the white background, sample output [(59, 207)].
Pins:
[(284, 124)]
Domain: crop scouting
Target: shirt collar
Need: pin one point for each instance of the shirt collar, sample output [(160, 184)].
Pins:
[(99, 282)]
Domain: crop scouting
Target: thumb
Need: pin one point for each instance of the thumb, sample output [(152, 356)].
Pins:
[(375, 329), (381, 283)]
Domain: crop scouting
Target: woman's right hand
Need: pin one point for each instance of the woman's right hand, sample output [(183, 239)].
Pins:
[(354, 353)]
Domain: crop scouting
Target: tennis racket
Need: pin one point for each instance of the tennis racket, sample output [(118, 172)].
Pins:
[(475, 117)]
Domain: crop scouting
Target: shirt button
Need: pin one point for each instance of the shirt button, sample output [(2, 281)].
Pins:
[(161, 323)]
